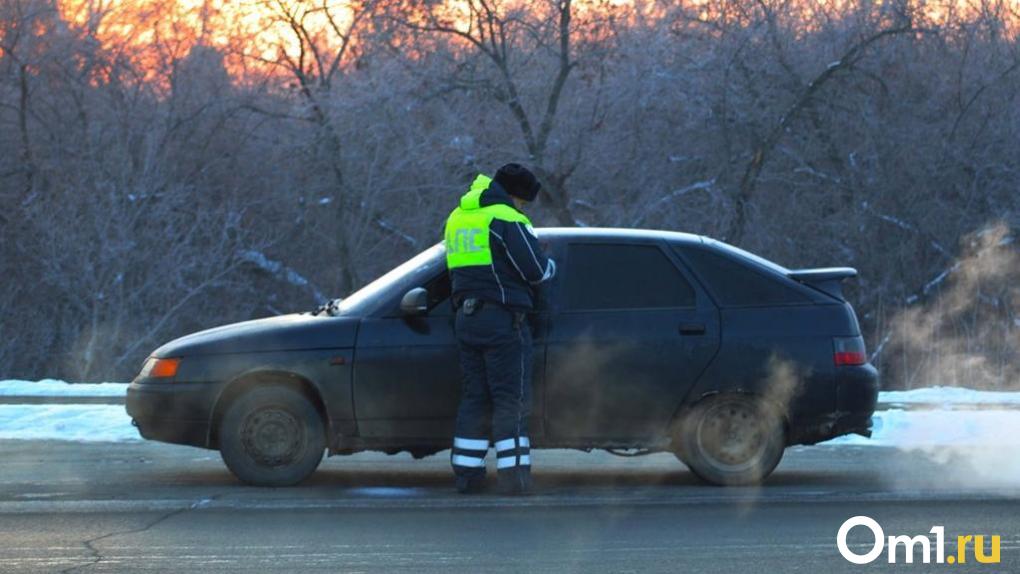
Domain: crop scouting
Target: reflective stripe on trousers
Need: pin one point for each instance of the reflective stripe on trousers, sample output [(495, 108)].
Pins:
[(513, 452), (469, 452)]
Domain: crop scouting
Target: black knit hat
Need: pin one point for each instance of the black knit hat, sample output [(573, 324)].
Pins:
[(518, 181)]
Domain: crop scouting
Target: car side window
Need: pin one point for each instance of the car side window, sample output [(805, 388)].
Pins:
[(622, 276), (738, 284)]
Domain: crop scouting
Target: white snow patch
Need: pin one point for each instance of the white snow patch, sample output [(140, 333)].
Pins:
[(894, 428), (99, 423), (929, 395), (940, 427), (953, 419), (949, 396), (55, 388)]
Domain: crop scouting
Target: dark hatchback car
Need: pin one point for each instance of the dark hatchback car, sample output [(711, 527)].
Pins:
[(646, 340)]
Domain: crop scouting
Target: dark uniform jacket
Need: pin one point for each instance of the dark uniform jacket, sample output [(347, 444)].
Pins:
[(517, 262)]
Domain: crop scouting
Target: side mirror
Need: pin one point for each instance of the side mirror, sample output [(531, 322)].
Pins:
[(415, 302)]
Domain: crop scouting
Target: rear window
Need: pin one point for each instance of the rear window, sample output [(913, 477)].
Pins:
[(736, 283), (619, 276)]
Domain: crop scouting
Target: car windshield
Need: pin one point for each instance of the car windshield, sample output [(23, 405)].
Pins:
[(393, 279), (761, 261)]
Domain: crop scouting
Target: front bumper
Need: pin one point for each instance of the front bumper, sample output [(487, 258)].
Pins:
[(178, 413)]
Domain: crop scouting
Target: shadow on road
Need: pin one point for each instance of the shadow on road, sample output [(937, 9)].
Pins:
[(553, 479), (51, 470)]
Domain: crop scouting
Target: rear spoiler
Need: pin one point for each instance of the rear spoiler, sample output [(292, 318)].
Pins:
[(828, 280)]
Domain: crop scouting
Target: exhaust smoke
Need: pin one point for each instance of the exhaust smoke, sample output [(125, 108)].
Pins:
[(967, 334)]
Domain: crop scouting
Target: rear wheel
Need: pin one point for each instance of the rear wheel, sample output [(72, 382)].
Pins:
[(272, 436), (730, 439)]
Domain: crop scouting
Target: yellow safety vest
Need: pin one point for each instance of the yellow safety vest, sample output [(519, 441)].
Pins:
[(467, 228)]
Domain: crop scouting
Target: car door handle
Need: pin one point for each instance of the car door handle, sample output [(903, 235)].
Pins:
[(692, 328)]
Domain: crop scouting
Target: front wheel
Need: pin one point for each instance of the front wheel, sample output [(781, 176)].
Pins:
[(272, 436), (730, 439)]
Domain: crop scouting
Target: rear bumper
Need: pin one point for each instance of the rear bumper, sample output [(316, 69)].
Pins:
[(857, 389), (856, 398), (178, 413)]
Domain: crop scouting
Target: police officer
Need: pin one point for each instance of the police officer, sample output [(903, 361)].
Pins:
[(495, 264)]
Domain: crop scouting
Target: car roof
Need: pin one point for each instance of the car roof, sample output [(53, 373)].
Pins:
[(617, 233)]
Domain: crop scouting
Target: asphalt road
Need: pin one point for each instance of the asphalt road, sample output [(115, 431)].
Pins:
[(141, 507)]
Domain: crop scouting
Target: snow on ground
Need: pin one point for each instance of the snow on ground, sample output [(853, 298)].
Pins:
[(55, 388), (102, 423), (892, 428), (940, 427), (937, 416), (949, 396), (927, 396)]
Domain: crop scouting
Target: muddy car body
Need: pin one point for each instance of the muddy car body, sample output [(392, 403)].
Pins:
[(647, 340)]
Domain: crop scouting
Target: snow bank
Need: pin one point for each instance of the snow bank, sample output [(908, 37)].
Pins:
[(928, 396), (974, 448), (940, 427), (102, 423), (954, 420), (55, 388), (893, 428), (949, 396)]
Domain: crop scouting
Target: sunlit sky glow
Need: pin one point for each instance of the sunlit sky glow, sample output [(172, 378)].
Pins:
[(255, 34)]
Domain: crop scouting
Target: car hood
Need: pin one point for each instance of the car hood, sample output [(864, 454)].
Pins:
[(283, 333)]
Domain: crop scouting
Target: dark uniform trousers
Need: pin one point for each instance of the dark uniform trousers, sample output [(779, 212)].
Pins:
[(495, 358)]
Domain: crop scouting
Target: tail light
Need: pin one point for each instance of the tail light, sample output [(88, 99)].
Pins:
[(848, 351)]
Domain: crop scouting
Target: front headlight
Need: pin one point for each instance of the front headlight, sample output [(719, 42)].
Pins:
[(155, 368)]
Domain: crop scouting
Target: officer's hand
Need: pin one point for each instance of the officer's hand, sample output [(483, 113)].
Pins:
[(550, 270)]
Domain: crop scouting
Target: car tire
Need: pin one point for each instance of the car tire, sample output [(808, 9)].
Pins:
[(272, 436), (730, 439)]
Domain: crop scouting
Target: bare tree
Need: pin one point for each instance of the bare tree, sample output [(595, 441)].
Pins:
[(183, 171), (320, 43), (509, 37)]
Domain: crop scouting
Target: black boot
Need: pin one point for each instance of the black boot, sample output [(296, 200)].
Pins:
[(515, 480), (470, 484)]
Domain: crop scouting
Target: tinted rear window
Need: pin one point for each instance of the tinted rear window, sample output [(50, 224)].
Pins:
[(608, 276), (738, 284)]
